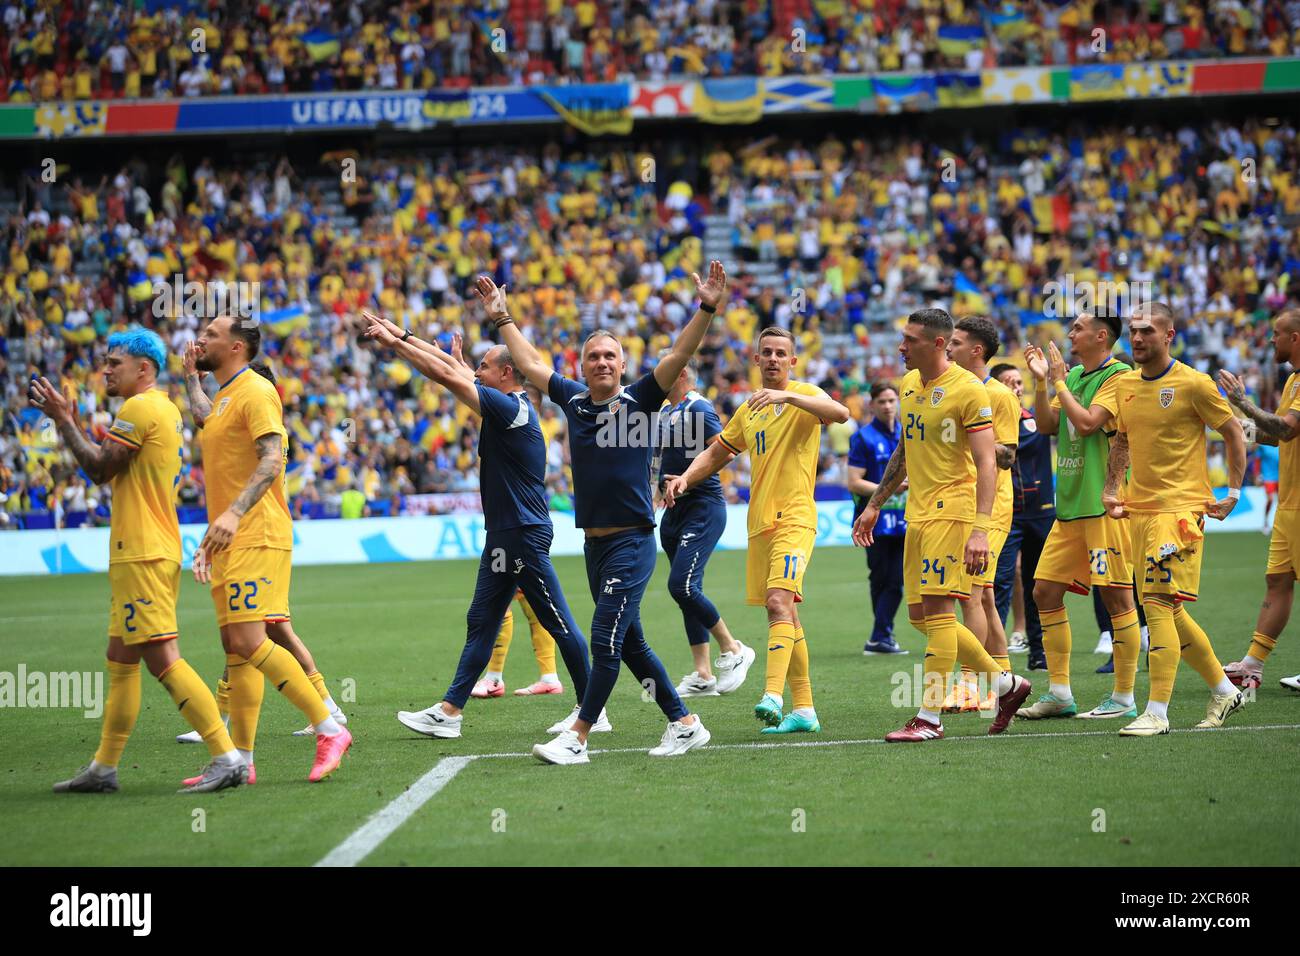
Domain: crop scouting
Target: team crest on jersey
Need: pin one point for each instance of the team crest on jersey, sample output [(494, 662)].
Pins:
[(614, 406), (777, 410), (936, 397), (1166, 397), (221, 405)]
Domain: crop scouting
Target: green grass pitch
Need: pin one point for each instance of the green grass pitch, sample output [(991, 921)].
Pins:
[(1038, 795)]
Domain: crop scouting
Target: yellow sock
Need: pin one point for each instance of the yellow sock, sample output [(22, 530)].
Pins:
[(919, 624), (1056, 643), (1261, 645), (318, 682), (502, 647), (1196, 649), (1126, 645), (246, 691), (197, 706), (120, 712), (1164, 652), (972, 653), (800, 680), (286, 676), (1003, 661), (543, 643), (940, 653), (967, 674), (223, 697), (780, 648)]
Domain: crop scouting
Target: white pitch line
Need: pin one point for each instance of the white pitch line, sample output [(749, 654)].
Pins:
[(383, 823)]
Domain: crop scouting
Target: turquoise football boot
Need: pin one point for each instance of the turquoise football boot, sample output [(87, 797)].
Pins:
[(795, 724)]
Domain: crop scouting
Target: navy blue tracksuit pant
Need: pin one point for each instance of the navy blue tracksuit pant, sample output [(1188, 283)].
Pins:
[(517, 559), (1027, 537), (619, 567), (885, 567), (689, 532)]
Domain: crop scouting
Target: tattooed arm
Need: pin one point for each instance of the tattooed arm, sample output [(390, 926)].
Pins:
[(1270, 429), (1116, 466), (200, 404), (270, 464), (101, 462), (895, 474)]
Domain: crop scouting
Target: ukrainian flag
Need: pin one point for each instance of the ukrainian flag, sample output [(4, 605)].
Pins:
[(286, 320), (320, 44), (967, 295), (1008, 22), (960, 40), (737, 100)]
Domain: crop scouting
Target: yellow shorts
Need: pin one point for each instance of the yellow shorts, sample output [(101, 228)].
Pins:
[(1284, 544), (251, 584), (1087, 553), (778, 559), (1167, 549), (934, 560), (997, 540), (142, 602)]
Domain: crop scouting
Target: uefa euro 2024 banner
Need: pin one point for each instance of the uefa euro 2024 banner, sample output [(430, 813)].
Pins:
[(429, 538)]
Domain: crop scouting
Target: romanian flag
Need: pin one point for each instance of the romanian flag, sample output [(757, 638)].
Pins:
[(960, 40), (737, 100), (320, 44)]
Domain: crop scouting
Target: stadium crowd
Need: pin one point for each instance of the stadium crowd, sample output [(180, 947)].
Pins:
[(85, 49), (835, 240)]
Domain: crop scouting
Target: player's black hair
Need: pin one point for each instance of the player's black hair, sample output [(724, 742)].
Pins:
[(936, 321), (264, 370), (985, 332), (249, 332), (1111, 323), (880, 388), (998, 370)]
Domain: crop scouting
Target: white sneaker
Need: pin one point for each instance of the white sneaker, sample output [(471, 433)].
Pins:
[(193, 737), (310, 731), (733, 668), (564, 749), (693, 685), (1291, 682), (680, 737), (601, 726), (432, 722), (1104, 644), (1018, 643)]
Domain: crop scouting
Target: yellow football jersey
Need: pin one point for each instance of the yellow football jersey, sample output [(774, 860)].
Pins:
[(246, 408), (1288, 456), (1006, 431), (1165, 418), (143, 526), (936, 418), (783, 442)]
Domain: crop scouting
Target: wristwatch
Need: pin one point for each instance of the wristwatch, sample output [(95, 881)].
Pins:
[(407, 335)]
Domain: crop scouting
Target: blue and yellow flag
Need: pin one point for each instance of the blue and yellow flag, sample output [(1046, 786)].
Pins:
[(283, 321), (1008, 22), (593, 108), (959, 89), (960, 40), (738, 100), (444, 104), (320, 44)]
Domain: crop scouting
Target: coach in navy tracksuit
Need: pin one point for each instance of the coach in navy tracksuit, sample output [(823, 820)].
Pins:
[(517, 545), (689, 532), (869, 451), (1033, 514), (611, 443)]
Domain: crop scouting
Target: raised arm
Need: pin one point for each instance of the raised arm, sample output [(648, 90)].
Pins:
[(449, 374), (712, 460), (451, 362), (688, 340), (526, 358), (200, 404), (101, 462), (1046, 417), (1270, 429)]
